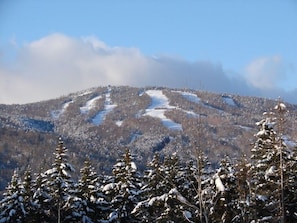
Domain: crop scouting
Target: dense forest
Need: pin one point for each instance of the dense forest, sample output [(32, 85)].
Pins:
[(256, 188)]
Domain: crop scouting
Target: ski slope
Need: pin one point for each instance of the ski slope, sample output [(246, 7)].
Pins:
[(158, 107), (108, 107)]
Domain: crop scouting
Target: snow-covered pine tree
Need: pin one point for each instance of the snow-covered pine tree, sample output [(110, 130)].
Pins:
[(273, 166), (12, 208), (163, 201), (188, 187), (60, 185), (86, 192), (42, 198), (28, 192), (281, 109), (91, 203), (264, 172), (125, 190), (166, 205), (225, 208), (107, 187), (151, 188)]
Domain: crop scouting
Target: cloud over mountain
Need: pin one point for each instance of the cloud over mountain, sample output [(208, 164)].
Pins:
[(265, 72), (58, 64)]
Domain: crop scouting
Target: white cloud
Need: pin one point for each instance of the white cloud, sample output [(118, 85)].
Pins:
[(266, 72), (57, 65)]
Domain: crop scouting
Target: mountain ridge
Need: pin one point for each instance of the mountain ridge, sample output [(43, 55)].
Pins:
[(101, 122)]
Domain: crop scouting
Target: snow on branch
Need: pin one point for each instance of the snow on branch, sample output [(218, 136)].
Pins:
[(219, 184)]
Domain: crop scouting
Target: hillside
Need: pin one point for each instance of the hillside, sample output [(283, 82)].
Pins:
[(100, 123)]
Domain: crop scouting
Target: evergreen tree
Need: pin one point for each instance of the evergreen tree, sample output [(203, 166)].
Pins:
[(91, 204), (153, 177), (265, 163), (125, 191), (28, 192), (225, 203), (188, 187), (163, 201), (42, 198), (12, 208), (60, 185), (151, 188), (273, 168)]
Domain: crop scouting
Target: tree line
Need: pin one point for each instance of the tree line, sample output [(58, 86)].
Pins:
[(259, 188)]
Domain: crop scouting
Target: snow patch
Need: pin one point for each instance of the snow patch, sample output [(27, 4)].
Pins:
[(219, 184), (119, 123), (56, 114), (113, 216), (108, 107), (83, 93), (158, 107), (280, 106), (261, 197), (189, 96), (191, 114), (194, 98), (133, 166), (89, 105), (140, 93), (108, 187), (156, 199), (50, 171), (270, 172), (229, 101), (159, 100), (244, 127)]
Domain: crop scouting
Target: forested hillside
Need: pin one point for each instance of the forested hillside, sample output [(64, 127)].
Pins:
[(260, 187), (101, 123)]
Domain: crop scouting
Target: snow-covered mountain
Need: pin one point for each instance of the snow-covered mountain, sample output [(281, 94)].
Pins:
[(101, 122)]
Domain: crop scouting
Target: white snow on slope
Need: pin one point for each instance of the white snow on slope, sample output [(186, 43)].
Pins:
[(244, 127), (159, 105), (194, 98), (83, 93), (89, 105), (190, 96), (56, 114), (159, 100), (108, 107), (229, 101)]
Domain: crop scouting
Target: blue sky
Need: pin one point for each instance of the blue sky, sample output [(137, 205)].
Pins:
[(50, 48)]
